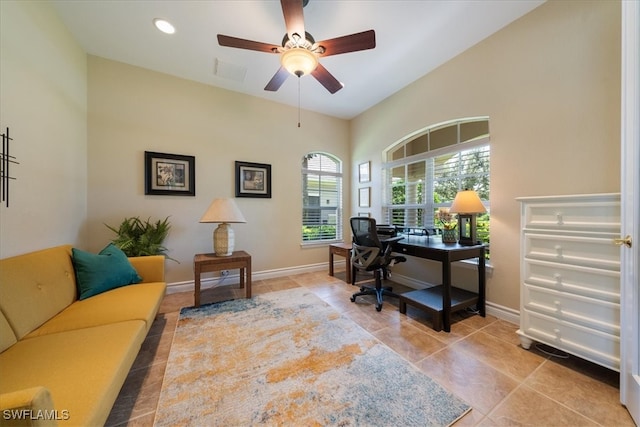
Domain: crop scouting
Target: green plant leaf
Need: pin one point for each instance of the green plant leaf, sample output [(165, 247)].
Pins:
[(136, 237)]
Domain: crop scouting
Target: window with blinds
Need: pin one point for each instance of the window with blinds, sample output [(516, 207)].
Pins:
[(321, 198), (423, 173)]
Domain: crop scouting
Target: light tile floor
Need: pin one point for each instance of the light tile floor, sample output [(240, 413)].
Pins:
[(480, 361)]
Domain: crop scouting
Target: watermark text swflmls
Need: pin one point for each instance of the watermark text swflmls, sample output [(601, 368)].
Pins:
[(39, 414)]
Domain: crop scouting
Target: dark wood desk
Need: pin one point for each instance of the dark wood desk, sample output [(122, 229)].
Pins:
[(444, 299), (211, 262)]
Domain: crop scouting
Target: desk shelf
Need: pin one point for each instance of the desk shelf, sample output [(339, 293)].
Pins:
[(430, 300)]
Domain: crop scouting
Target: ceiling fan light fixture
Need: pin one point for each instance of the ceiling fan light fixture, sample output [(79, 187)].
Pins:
[(164, 26), (299, 61)]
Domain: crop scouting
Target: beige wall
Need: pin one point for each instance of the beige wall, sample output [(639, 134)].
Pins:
[(550, 83), (132, 110), (43, 90)]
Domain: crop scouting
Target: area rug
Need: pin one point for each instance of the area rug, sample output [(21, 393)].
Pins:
[(288, 359)]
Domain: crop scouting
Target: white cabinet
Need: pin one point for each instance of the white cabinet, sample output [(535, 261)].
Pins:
[(570, 275)]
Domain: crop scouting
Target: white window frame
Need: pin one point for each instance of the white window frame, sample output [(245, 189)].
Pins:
[(428, 206), (333, 214)]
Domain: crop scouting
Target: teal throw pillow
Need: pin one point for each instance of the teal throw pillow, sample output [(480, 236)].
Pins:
[(99, 273)]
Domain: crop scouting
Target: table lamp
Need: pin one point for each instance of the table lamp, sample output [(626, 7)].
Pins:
[(224, 211), (467, 204)]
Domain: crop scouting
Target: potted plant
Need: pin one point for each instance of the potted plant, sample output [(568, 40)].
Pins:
[(136, 237), (448, 222)]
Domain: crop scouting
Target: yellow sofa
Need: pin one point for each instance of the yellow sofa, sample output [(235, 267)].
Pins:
[(63, 360)]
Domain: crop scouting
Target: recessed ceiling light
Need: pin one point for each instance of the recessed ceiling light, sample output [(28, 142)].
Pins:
[(164, 26)]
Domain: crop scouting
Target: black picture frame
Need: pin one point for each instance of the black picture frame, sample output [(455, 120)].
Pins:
[(169, 174), (253, 179)]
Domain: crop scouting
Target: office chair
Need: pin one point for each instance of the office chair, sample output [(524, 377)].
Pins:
[(372, 254)]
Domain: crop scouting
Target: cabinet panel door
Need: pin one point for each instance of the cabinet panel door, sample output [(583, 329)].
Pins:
[(588, 312), (586, 281), (575, 250), (601, 216), (587, 343)]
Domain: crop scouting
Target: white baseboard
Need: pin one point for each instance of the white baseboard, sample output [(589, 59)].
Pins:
[(501, 312), (234, 279), (504, 313)]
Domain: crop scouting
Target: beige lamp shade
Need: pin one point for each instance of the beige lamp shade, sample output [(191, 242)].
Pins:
[(224, 211), (466, 202)]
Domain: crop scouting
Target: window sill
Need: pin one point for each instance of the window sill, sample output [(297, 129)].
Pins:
[(473, 264), (315, 244)]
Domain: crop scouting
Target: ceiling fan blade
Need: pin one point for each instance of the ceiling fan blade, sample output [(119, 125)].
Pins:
[(326, 79), (229, 41), (276, 81), (351, 43), (293, 17)]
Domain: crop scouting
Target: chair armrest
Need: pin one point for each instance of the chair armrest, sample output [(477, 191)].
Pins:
[(392, 240), (387, 244), (29, 407), (150, 268)]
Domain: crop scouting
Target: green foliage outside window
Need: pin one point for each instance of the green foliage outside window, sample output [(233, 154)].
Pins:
[(398, 194), (482, 229), (318, 232), (469, 170), (456, 172)]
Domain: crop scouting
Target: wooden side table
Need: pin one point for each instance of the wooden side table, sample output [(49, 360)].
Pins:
[(211, 262), (342, 249)]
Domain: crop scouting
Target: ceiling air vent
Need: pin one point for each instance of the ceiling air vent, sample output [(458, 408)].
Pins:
[(229, 71)]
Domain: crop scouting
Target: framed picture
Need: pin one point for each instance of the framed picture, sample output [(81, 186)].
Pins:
[(253, 180), (364, 197), (169, 174), (364, 172)]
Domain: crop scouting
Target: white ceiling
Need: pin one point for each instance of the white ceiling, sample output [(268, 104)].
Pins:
[(413, 37)]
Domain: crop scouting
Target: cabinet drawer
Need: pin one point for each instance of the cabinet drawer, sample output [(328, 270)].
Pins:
[(586, 281), (596, 252), (600, 214), (591, 313), (590, 344), (406, 250)]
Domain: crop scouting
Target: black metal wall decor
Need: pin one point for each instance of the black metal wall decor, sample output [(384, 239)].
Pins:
[(5, 160)]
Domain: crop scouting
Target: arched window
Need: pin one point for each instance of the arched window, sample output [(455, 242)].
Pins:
[(321, 198), (424, 171)]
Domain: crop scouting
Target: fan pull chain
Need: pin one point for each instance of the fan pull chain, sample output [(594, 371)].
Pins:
[(298, 101)]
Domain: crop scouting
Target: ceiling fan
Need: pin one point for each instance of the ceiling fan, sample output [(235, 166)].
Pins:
[(300, 52)]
